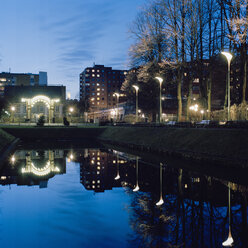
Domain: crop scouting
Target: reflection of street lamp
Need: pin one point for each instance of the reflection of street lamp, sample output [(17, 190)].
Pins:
[(229, 241), (160, 100), (137, 176), (71, 109), (118, 173), (117, 103), (12, 108), (161, 201), (229, 58), (136, 89), (12, 159)]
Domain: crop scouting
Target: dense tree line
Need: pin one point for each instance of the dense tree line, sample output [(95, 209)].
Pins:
[(181, 40)]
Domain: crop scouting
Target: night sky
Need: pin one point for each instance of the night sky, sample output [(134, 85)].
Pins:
[(63, 37)]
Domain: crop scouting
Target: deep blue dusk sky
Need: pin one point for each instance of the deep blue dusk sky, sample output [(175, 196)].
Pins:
[(63, 37)]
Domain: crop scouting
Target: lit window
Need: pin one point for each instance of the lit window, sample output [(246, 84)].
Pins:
[(93, 75), (93, 186), (98, 172), (98, 75), (98, 167), (93, 182), (98, 89), (98, 94), (93, 70), (98, 98)]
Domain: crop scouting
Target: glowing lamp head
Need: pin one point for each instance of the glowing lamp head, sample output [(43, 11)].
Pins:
[(116, 94), (117, 177), (160, 202), (13, 108), (159, 79), (136, 87), (12, 159), (71, 109), (229, 242), (202, 111), (227, 55), (136, 188)]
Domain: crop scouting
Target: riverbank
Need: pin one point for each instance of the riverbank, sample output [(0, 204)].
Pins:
[(7, 144), (219, 145), (5, 139)]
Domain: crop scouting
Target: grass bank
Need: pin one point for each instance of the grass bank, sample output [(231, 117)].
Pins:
[(5, 139), (226, 145), (209, 144), (53, 133)]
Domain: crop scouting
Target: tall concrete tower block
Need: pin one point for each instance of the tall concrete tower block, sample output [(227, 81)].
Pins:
[(43, 78)]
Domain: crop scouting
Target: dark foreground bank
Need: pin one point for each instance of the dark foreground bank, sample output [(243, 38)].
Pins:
[(228, 145)]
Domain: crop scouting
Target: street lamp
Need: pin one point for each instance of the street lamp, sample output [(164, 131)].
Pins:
[(229, 58), (118, 172), (160, 100), (161, 201), (137, 176), (71, 109), (202, 112), (117, 104), (136, 89), (12, 108), (229, 242)]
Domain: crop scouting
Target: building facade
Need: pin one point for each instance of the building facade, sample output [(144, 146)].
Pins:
[(21, 79), (98, 85), (30, 102)]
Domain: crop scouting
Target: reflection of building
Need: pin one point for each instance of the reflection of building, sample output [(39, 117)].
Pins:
[(21, 79), (33, 101), (97, 86), (98, 171), (33, 167)]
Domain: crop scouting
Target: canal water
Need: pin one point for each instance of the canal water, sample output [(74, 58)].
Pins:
[(91, 197)]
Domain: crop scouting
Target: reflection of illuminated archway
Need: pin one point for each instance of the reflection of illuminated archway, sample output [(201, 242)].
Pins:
[(45, 170), (30, 102)]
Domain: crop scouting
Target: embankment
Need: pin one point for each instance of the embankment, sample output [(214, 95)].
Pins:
[(7, 144), (226, 145), (5, 139)]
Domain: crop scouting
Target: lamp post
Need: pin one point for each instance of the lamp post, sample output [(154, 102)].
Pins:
[(161, 201), (118, 172), (12, 108), (71, 109), (160, 100), (229, 58), (137, 90), (202, 112), (137, 175), (229, 242), (117, 105)]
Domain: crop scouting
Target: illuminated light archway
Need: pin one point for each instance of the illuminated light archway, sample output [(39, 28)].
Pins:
[(44, 171), (49, 102)]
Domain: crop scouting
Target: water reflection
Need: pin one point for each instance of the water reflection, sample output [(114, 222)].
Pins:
[(29, 167), (167, 206)]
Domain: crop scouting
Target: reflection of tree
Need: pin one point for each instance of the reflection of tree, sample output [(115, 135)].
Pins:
[(195, 215), (148, 221)]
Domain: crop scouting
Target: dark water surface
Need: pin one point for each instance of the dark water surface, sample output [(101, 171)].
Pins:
[(106, 198)]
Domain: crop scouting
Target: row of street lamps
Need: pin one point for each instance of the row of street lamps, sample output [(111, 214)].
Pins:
[(228, 57)]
